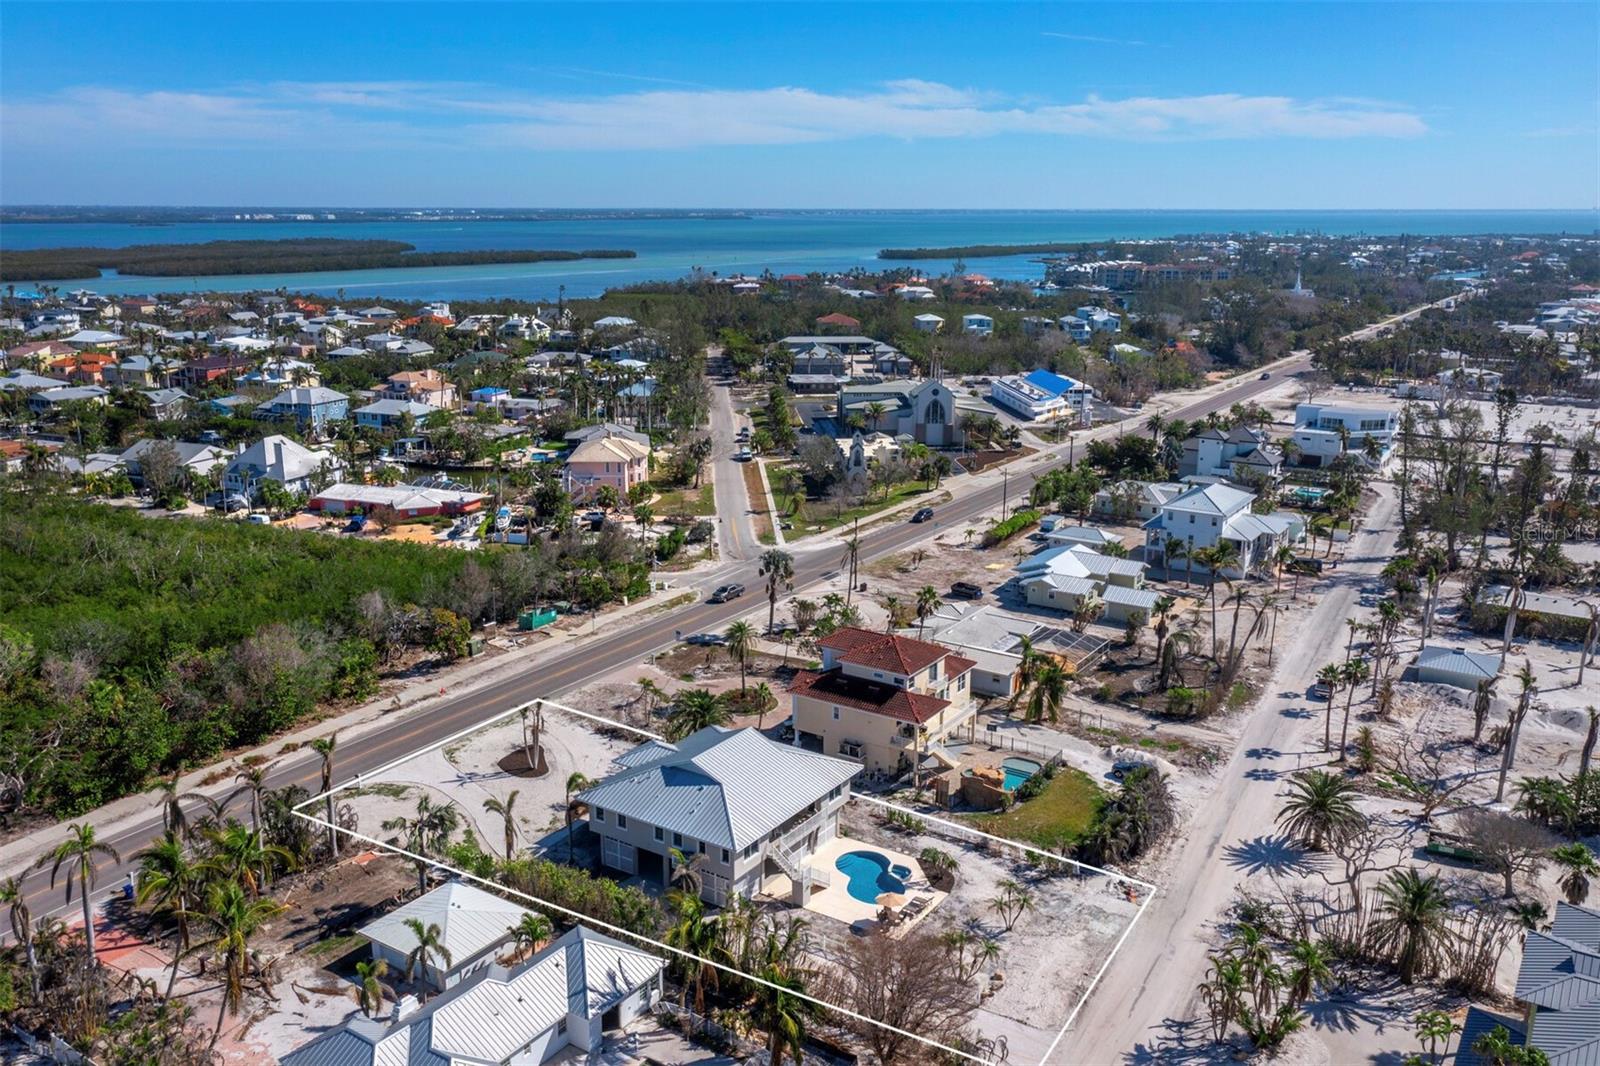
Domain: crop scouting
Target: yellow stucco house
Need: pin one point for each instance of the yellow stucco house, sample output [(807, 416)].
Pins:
[(881, 699)]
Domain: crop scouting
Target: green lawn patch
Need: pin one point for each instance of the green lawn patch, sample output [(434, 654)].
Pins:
[(821, 517), (701, 502), (1055, 818)]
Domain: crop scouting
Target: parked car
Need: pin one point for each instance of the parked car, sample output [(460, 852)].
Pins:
[(923, 514), (1319, 691), (966, 590), (724, 593), (743, 455), (258, 520)]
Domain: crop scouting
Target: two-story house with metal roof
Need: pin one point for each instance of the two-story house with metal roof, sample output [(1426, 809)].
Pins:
[(743, 807)]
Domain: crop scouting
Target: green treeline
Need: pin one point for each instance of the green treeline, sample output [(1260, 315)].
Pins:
[(975, 251), (131, 646), (296, 255)]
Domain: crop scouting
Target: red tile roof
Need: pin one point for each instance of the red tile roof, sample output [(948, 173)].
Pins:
[(882, 651), (874, 696), (837, 319)]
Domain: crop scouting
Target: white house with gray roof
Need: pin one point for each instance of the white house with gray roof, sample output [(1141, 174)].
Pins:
[(473, 926), (565, 997), (1209, 515), (741, 806)]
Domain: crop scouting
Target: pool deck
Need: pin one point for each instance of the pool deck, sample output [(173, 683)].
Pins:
[(836, 902)]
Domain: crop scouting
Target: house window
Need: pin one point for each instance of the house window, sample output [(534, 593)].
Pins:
[(850, 748), (702, 847), (836, 714), (622, 821), (677, 840), (561, 1028), (724, 856), (933, 672), (877, 675), (659, 834), (599, 814)]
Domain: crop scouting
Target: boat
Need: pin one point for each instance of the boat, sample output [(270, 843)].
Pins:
[(502, 520)]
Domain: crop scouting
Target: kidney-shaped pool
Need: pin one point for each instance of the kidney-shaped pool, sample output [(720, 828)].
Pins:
[(871, 875)]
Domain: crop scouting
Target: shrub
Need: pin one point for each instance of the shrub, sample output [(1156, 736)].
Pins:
[(1003, 531)]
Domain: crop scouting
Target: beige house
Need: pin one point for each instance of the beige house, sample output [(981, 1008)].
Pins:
[(881, 699), (615, 461), (420, 386)]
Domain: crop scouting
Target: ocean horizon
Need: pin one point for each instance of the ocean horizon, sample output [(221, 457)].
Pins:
[(669, 247)]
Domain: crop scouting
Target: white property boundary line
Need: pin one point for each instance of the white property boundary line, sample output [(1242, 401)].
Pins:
[(359, 780)]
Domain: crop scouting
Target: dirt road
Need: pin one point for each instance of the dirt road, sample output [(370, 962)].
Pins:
[(1138, 1013)]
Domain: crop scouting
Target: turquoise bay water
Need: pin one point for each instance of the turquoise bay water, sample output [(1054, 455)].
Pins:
[(783, 242)]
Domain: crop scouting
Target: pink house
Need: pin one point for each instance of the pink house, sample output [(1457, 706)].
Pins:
[(615, 461)]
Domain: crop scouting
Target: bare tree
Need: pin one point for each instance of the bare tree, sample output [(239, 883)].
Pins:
[(1509, 845), (912, 984)]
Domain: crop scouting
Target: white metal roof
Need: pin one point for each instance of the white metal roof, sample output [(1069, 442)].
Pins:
[(1458, 661), (725, 787), (469, 920)]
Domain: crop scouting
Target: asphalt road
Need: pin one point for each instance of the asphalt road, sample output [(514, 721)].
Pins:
[(615, 646)]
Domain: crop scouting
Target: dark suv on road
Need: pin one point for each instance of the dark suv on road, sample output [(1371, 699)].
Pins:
[(724, 593)]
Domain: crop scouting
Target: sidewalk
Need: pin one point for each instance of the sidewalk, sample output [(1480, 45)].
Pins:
[(19, 854)]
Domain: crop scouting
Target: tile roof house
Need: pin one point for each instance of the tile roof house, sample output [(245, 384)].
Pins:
[(750, 808), (881, 698), (562, 999)]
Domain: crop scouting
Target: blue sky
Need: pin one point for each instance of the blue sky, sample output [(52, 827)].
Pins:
[(863, 105)]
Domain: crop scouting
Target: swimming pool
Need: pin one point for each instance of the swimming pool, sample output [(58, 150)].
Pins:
[(1018, 770), (869, 875)]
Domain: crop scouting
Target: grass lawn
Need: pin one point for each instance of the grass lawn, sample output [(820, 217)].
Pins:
[(687, 500), (819, 517), (1053, 819)]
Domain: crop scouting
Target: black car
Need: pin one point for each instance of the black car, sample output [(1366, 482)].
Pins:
[(724, 593), (1265, 374), (966, 590), (923, 514)]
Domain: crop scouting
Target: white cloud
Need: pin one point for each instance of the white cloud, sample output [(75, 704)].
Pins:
[(360, 113)]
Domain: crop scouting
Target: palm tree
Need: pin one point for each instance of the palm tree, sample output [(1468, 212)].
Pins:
[(503, 809), (763, 697), (1318, 808), (696, 936), (1282, 557), (78, 853), (324, 746), (686, 876), (1329, 677), (781, 1013), (1579, 865), (576, 782), (253, 779), (240, 853), (693, 710), (430, 949), (369, 987), (928, 601), (1175, 548), (1412, 920), (1048, 693), (1528, 683), (777, 567), (1163, 615), (428, 832), (1352, 674), (849, 563), (234, 918), (167, 876), (1497, 1047), (531, 930), (1308, 969), (12, 895), (741, 641)]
